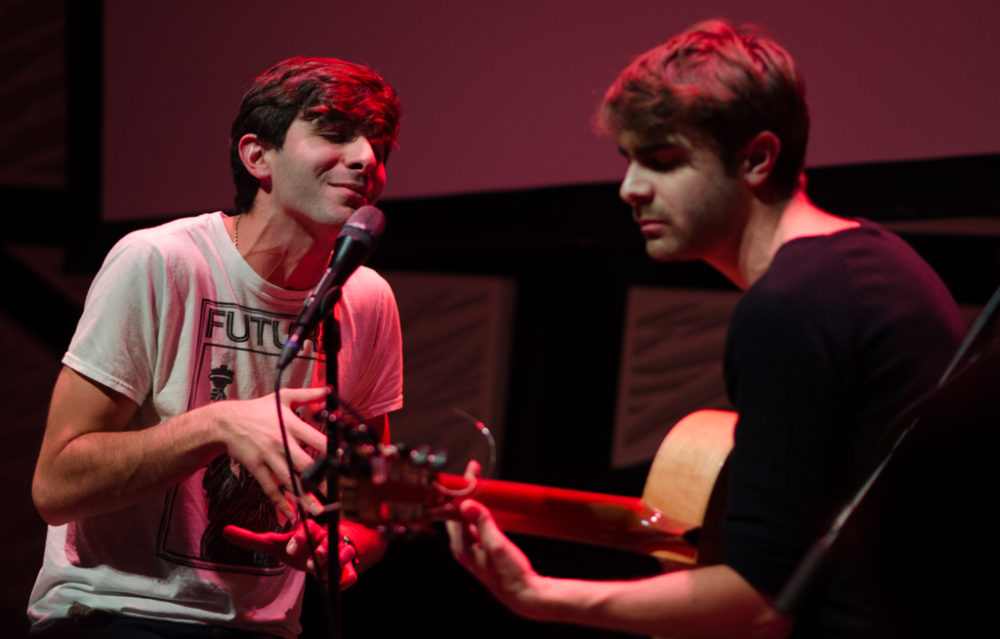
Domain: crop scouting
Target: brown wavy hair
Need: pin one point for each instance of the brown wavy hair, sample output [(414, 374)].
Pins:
[(722, 83)]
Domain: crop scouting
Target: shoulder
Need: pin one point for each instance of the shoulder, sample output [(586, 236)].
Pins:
[(149, 262), (175, 233), (814, 291), (368, 299), (365, 284), (180, 236), (849, 288), (820, 271), (866, 267)]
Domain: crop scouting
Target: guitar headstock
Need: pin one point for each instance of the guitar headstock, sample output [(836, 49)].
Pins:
[(397, 487)]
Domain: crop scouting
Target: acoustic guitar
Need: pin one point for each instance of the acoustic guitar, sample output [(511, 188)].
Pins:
[(676, 519)]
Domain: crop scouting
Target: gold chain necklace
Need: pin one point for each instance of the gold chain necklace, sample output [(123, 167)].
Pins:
[(236, 231)]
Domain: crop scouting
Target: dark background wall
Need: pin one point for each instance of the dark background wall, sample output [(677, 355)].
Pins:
[(566, 241)]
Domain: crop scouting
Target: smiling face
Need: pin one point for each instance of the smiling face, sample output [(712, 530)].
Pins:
[(321, 179), (687, 204)]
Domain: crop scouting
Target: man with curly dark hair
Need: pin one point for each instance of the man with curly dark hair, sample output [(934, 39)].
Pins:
[(163, 426)]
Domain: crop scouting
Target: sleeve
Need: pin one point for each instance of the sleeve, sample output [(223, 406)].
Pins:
[(787, 367), (375, 386), (115, 340)]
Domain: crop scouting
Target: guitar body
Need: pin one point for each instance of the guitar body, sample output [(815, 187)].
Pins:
[(687, 481)]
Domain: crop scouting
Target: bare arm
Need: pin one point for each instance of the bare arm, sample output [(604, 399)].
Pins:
[(712, 601), (89, 464)]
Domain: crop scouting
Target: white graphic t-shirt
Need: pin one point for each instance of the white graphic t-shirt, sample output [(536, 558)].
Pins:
[(176, 319)]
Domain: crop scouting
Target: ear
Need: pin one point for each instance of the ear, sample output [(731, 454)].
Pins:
[(253, 154), (760, 156)]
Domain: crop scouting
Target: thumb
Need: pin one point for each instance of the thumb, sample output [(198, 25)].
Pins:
[(475, 513), (295, 397), (267, 542)]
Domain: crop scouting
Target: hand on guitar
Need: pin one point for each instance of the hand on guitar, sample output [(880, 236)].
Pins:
[(481, 547), (292, 549)]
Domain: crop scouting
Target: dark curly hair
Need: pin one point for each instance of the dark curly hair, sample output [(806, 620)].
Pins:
[(344, 98)]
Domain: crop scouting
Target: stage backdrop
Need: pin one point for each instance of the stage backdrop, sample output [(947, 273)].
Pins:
[(499, 95)]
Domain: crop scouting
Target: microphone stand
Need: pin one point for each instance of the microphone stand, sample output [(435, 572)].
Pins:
[(331, 516)]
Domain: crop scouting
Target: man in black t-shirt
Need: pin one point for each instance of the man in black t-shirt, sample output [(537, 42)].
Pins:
[(841, 326)]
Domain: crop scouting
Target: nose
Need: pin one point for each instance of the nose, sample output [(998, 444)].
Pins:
[(360, 155), (634, 190)]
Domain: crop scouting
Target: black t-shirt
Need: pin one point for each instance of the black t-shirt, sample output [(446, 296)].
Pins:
[(833, 342)]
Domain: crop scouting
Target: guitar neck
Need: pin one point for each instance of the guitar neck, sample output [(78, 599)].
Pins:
[(399, 491), (614, 521)]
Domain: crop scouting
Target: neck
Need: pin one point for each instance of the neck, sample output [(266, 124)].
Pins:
[(282, 251), (769, 227)]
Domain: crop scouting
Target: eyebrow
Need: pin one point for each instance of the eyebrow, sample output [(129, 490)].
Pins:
[(654, 147)]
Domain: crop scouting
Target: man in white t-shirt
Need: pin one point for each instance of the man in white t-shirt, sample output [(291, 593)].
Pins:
[(163, 427)]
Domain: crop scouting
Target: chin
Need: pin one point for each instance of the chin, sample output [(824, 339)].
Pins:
[(340, 214), (661, 251)]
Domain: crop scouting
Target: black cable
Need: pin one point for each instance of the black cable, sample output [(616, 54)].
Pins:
[(300, 511), (297, 492)]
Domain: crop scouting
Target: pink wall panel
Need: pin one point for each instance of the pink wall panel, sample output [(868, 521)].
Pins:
[(498, 95)]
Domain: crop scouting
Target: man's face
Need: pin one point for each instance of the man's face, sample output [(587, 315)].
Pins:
[(687, 205), (317, 177)]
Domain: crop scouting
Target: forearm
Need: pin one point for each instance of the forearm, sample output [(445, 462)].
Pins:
[(706, 602), (89, 464), (104, 471)]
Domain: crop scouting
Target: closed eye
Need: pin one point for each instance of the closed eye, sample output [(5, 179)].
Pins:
[(663, 158)]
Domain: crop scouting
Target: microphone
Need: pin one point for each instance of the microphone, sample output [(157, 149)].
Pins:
[(355, 244)]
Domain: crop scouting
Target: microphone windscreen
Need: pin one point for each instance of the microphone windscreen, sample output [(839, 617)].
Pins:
[(366, 224)]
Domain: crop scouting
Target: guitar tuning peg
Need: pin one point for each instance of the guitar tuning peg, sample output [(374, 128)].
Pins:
[(401, 449), (420, 455), (438, 459), (389, 450)]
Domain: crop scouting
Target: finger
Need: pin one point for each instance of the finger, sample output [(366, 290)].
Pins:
[(266, 479), (346, 554), (308, 564), (473, 511), (301, 459), (463, 534), (472, 470), (456, 541), (307, 435), (296, 397), (317, 530), (301, 432), (317, 539), (276, 461), (348, 576), (311, 504), (272, 543), (479, 517)]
